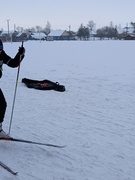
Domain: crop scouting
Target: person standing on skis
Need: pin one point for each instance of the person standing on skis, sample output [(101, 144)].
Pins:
[(11, 62)]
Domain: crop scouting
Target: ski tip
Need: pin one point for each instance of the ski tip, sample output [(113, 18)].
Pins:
[(15, 173), (57, 146), (63, 146)]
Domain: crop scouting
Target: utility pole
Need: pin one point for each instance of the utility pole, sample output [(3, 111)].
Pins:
[(69, 28), (8, 26), (14, 27)]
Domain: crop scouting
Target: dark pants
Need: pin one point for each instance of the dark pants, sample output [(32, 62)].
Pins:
[(3, 106)]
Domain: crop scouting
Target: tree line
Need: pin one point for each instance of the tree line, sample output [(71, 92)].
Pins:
[(83, 32)]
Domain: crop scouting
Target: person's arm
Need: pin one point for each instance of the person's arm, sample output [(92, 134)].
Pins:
[(13, 62)]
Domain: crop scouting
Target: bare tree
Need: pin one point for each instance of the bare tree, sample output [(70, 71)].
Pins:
[(47, 29), (18, 28), (107, 32), (83, 32), (38, 28), (91, 25), (111, 24), (133, 25)]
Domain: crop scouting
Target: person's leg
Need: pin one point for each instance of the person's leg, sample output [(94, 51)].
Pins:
[(3, 106)]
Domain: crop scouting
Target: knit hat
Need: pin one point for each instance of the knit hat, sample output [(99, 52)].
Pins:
[(1, 45)]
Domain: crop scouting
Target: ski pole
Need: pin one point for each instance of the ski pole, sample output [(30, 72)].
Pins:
[(16, 84)]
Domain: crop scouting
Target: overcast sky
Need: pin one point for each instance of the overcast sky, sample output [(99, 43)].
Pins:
[(62, 13)]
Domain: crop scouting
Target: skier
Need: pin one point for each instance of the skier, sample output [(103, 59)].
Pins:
[(11, 62)]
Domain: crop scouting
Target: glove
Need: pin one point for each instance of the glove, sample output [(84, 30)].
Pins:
[(21, 50)]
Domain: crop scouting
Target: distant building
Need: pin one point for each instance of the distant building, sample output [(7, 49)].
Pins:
[(127, 33), (3, 35), (37, 36), (20, 37), (13, 36), (60, 35), (129, 37)]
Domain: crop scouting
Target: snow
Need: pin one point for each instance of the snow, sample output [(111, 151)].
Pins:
[(94, 117)]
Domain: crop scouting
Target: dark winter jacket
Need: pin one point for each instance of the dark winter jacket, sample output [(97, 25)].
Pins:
[(11, 62)]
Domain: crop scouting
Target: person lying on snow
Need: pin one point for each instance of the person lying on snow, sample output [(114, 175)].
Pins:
[(11, 62), (43, 84)]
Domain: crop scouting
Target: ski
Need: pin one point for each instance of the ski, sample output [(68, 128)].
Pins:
[(31, 142), (7, 168)]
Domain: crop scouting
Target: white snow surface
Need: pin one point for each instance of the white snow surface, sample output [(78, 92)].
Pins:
[(94, 117)]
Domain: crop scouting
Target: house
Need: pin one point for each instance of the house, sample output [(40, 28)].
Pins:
[(125, 36), (20, 37), (13, 36), (4, 36), (58, 35), (37, 36), (129, 37)]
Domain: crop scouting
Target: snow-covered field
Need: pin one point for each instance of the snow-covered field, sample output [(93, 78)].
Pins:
[(94, 117)]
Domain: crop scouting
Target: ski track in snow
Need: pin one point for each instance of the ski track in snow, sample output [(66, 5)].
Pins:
[(94, 117)]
